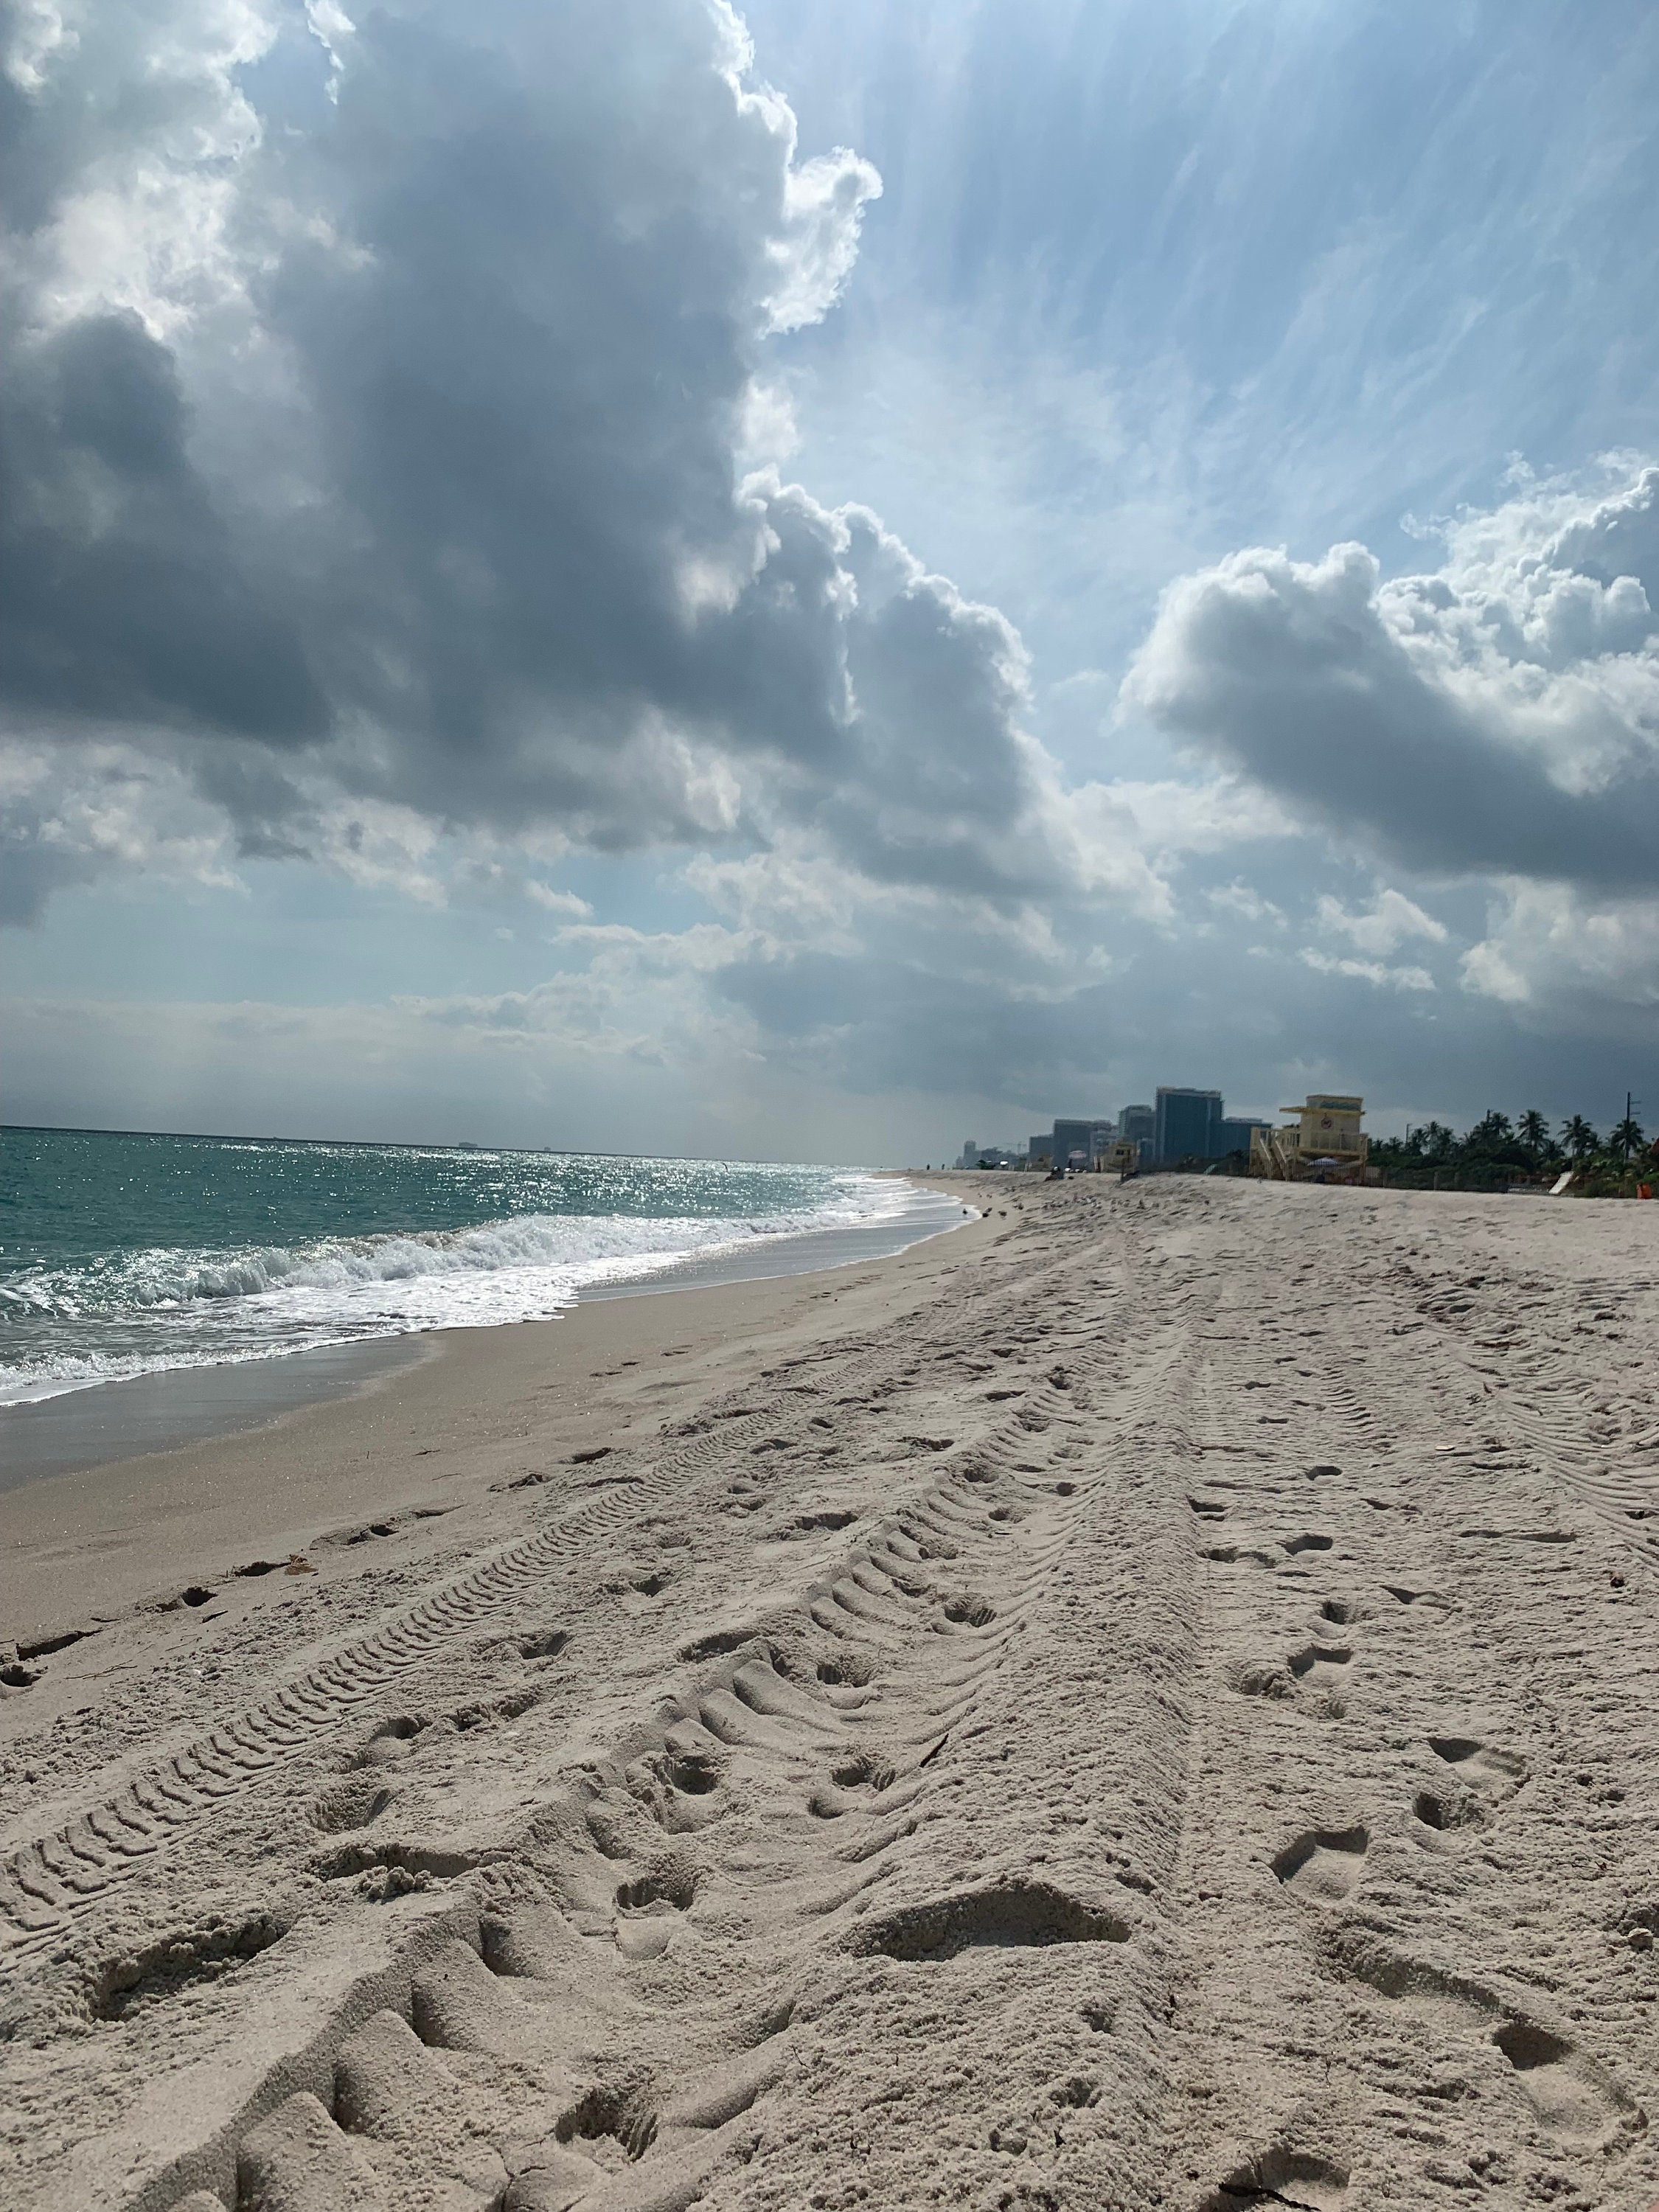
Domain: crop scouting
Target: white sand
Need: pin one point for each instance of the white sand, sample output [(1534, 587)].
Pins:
[(1150, 1701)]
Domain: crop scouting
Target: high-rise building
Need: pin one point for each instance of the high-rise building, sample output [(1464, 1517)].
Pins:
[(1186, 1124), (1041, 1150), (1081, 1144), (1232, 1133), (969, 1153), (1071, 1142), (1138, 1125)]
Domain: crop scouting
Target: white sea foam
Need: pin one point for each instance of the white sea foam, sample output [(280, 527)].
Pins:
[(168, 1307)]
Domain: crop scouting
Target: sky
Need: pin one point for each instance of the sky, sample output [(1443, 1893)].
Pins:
[(811, 584)]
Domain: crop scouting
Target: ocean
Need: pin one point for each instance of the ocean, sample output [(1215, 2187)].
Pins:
[(123, 1255)]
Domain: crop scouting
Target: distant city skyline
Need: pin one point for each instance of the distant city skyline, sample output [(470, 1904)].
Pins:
[(1181, 1123)]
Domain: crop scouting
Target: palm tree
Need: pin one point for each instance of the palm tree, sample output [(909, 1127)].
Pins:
[(1578, 1137), (1626, 1137), (1534, 1131)]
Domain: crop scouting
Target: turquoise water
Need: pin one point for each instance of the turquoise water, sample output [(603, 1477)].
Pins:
[(123, 1254)]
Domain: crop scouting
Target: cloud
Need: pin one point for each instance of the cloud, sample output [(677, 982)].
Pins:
[(553, 901), (379, 404), (1499, 714), (1248, 904), (566, 1064), (1172, 817), (1576, 963), (399, 422), (1390, 919), (70, 814), (1368, 971), (128, 600)]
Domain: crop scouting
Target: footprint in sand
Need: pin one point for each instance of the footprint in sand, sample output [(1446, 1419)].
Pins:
[(1482, 1778), (1492, 1775), (392, 1740), (1322, 1666), (1447, 1811), (348, 1804), (1344, 1612), (1261, 1677), (1324, 1865), (856, 1779), (1574, 2097), (648, 1911)]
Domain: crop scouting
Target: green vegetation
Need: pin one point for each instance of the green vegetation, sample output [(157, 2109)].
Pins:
[(1497, 1152)]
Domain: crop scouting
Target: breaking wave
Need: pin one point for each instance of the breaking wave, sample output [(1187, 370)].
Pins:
[(125, 1312)]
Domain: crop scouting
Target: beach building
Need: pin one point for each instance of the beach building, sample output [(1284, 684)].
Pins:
[(1325, 1139), (1235, 1133), (1185, 1124), (1194, 1125), (1081, 1144), (1138, 1125), (975, 1155), (1071, 1144)]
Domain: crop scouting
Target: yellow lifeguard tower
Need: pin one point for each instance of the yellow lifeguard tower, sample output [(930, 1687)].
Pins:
[(1325, 1139)]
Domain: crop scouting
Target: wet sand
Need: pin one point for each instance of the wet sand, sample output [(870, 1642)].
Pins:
[(1149, 1701), (300, 1449), (167, 1411)]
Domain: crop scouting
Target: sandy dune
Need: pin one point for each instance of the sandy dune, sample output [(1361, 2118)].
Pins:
[(1151, 1701)]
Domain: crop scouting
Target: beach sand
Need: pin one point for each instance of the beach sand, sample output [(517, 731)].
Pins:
[(1149, 1700)]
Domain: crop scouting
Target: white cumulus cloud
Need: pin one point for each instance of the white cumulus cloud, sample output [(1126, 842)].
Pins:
[(1382, 927), (1499, 713), (1573, 959), (1368, 971)]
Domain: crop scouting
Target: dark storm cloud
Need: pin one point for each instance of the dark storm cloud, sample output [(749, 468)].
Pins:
[(431, 489), (124, 599), (33, 864)]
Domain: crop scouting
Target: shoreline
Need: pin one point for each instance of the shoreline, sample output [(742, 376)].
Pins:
[(101, 1424), (439, 1418)]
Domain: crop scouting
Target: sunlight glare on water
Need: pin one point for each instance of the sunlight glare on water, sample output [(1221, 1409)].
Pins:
[(120, 1255)]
